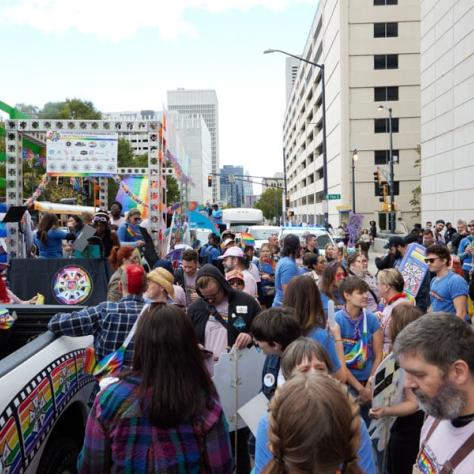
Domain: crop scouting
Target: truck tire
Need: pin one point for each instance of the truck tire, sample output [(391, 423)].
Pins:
[(59, 457)]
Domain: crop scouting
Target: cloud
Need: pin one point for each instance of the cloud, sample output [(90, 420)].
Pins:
[(115, 20)]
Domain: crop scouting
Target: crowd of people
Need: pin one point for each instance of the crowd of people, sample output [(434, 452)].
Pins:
[(323, 320)]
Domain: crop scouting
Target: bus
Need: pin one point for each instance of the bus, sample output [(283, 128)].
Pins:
[(239, 218)]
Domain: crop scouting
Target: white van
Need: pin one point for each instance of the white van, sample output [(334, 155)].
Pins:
[(322, 236), (261, 233), (239, 218)]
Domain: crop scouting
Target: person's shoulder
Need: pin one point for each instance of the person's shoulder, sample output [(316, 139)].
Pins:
[(118, 397), (458, 280), (211, 415)]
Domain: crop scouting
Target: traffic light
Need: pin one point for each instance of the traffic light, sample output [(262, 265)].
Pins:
[(209, 181), (377, 177)]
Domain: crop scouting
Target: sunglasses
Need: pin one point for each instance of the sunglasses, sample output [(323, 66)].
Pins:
[(431, 260)]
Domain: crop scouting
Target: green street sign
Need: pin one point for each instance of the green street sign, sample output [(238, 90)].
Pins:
[(333, 197)]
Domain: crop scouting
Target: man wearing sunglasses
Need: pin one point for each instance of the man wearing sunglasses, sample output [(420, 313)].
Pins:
[(448, 291)]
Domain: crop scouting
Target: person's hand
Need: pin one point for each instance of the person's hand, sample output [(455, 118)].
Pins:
[(243, 340), (468, 249), (377, 413), (140, 243), (33, 300), (365, 395)]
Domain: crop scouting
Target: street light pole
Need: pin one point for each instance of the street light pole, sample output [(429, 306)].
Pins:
[(392, 171), (355, 157), (323, 104), (285, 190)]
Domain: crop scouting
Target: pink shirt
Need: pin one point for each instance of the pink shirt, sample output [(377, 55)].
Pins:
[(250, 283), (385, 323), (215, 334)]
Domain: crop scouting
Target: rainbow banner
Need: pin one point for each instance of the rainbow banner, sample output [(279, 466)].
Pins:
[(10, 446), (133, 192)]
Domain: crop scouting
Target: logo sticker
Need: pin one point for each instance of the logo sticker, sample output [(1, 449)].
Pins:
[(72, 285), (269, 380)]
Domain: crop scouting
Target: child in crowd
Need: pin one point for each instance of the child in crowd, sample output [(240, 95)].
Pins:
[(362, 339)]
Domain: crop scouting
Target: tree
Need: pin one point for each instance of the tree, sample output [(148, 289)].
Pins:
[(173, 193), (28, 109), (270, 203), (75, 109), (415, 201)]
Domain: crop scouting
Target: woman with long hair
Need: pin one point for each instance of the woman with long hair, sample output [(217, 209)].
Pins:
[(358, 265), (266, 268), (164, 415), (286, 268), (303, 296), (332, 277), (48, 238), (130, 232), (119, 259)]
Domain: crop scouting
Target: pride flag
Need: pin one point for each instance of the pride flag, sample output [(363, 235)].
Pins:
[(134, 186), (247, 239)]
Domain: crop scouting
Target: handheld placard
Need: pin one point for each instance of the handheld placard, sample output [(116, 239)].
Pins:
[(331, 313)]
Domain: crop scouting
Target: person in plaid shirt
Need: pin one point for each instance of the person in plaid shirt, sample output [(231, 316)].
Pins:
[(164, 416), (109, 322)]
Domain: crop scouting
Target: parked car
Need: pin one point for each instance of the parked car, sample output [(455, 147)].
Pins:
[(322, 235), (261, 233)]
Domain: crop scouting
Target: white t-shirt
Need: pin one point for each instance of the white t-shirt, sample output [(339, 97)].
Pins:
[(441, 446), (254, 272), (250, 283)]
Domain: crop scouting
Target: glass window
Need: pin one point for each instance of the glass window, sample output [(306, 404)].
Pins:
[(379, 189), (382, 157), (385, 30), (392, 61), (382, 94), (386, 61), (381, 125)]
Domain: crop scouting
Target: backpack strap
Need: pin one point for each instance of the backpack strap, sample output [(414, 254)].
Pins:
[(435, 424), (459, 456)]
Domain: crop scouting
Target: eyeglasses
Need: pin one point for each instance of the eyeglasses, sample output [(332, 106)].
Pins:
[(431, 260)]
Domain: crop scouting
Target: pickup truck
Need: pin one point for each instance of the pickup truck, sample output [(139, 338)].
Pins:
[(44, 394)]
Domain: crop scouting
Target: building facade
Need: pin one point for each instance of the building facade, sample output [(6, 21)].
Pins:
[(232, 185), (276, 182), (370, 50), (196, 138), (447, 104), (202, 103)]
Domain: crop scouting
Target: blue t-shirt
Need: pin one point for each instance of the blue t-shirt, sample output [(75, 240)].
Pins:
[(263, 455), (129, 234), (54, 245), (327, 341), (349, 339), (286, 270), (217, 216), (443, 291), (212, 254), (339, 302)]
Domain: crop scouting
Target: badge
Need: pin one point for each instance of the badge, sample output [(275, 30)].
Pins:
[(269, 380), (239, 324), (241, 309)]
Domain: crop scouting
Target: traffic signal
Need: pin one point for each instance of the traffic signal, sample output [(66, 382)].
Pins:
[(377, 177), (209, 181)]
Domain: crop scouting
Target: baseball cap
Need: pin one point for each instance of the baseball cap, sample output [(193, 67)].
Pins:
[(395, 241), (234, 275), (233, 252)]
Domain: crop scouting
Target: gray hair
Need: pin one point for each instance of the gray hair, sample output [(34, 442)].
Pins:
[(440, 338)]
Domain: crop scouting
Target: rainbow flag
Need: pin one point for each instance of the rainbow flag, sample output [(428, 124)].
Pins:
[(6, 319), (247, 239), (111, 364), (134, 186)]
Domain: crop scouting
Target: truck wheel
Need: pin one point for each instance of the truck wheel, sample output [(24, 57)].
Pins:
[(59, 457)]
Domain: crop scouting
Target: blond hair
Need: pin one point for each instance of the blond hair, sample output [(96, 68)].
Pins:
[(391, 277), (321, 440)]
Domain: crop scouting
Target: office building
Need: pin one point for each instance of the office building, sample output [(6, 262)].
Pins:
[(370, 50), (291, 67), (232, 185), (275, 182), (196, 138), (203, 103), (447, 103)]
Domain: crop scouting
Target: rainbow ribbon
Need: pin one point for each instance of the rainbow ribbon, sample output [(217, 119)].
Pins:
[(357, 357)]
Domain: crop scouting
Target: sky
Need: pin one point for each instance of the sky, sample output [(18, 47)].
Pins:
[(125, 55)]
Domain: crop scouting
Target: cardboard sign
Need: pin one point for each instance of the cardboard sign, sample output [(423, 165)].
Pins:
[(413, 268)]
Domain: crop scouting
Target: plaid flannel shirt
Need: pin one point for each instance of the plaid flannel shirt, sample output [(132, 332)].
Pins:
[(109, 323), (120, 437)]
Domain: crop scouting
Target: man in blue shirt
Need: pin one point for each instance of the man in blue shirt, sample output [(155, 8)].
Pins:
[(466, 251), (448, 290)]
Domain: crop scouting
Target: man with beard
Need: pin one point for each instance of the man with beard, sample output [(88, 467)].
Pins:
[(437, 354), (396, 250)]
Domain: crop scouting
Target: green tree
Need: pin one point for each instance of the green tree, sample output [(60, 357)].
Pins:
[(173, 193), (75, 109), (270, 203)]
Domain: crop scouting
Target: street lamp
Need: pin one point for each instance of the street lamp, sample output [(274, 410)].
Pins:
[(355, 157), (325, 158), (391, 179)]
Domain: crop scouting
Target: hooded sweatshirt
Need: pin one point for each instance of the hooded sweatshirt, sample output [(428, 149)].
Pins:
[(242, 308)]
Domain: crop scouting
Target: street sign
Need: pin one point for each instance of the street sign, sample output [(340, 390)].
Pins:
[(333, 197)]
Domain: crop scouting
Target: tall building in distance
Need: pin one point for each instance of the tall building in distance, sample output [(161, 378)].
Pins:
[(370, 50), (201, 102), (232, 185), (447, 102)]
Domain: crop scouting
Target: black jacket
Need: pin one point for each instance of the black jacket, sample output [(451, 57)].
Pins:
[(241, 307)]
